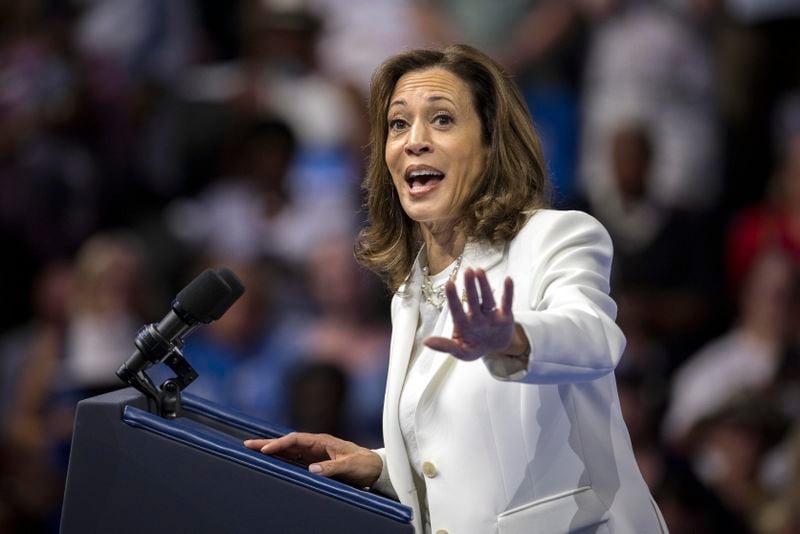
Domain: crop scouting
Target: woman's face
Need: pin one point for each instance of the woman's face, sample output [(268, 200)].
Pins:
[(434, 149)]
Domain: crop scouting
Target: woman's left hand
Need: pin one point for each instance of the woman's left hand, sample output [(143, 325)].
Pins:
[(482, 328)]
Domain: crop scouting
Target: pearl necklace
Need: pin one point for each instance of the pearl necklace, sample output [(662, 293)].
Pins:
[(436, 295)]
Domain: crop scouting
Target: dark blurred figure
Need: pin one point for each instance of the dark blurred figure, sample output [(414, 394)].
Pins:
[(663, 272), (689, 506), (542, 43), (754, 43), (244, 358), (730, 446), (29, 491), (782, 515), (776, 220), (687, 503), (651, 62), (351, 331), (48, 175), (74, 356), (317, 398), (747, 357), (247, 212)]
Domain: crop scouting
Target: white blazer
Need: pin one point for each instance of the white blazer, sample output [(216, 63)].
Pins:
[(544, 450)]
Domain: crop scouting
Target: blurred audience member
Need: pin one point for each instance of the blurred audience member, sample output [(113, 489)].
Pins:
[(357, 35), (687, 503), (730, 446), (745, 358), (317, 397), (72, 359), (542, 44), (52, 293), (46, 167), (782, 514), (776, 221), (250, 211), (247, 213), (650, 63), (349, 331), (30, 490), (278, 75), (663, 265), (114, 296), (244, 359)]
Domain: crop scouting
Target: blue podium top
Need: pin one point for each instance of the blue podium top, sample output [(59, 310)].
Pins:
[(218, 443)]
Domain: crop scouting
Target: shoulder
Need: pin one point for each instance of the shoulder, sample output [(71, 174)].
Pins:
[(548, 226)]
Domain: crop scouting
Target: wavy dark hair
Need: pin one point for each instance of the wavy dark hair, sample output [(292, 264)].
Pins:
[(514, 182)]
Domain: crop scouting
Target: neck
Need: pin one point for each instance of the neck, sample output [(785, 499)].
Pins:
[(443, 244)]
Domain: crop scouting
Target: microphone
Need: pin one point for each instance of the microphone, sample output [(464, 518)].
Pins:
[(203, 300)]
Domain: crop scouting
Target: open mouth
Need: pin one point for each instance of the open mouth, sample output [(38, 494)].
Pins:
[(423, 178)]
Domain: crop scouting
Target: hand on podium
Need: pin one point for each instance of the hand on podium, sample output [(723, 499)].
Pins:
[(325, 455)]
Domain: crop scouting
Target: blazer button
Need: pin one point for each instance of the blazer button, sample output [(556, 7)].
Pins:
[(429, 470), (441, 531)]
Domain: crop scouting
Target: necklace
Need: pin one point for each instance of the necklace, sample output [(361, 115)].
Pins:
[(435, 295)]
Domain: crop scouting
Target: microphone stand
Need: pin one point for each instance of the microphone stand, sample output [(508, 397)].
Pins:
[(167, 397)]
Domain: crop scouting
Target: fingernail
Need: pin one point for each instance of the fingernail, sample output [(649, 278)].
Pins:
[(248, 441), (315, 468)]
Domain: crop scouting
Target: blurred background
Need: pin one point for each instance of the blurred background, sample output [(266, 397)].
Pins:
[(144, 140)]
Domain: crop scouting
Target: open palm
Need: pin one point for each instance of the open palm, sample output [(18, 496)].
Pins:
[(482, 328)]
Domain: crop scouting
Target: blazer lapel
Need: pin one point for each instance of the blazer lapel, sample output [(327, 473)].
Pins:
[(405, 316)]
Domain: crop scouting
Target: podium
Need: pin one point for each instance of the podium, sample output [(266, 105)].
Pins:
[(131, 471)]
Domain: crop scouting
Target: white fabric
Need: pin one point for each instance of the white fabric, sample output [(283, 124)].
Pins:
[(646, 66), (419, 375), (732, 363), (95, 346), (543, 451), (228, 219)]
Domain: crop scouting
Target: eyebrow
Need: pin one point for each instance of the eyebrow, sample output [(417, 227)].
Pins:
[(435, 98)]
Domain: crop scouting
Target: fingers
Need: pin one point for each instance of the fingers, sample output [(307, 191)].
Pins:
[(361, 468), (294, 445), (331, 468), (508, 295), (472, 291), (454, 303), (487, 297), (444, 344), (256, 444), (275, 446)]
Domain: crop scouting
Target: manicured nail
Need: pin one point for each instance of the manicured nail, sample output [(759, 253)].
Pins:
[(248, 441), (315, 468)]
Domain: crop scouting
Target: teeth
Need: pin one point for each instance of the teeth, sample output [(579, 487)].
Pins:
[(414, 174)]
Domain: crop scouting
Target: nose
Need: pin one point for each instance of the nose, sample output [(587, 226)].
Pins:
[(418, 141)]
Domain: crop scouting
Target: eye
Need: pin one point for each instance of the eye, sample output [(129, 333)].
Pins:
[(397, 124), (443, 119)]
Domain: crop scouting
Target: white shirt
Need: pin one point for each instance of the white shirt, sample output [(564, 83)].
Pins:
[(419, 375)]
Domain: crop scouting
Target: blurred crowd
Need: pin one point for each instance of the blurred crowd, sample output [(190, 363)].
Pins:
[(142, 141)]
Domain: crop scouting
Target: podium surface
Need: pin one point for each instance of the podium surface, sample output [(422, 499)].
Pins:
[(133, 471)]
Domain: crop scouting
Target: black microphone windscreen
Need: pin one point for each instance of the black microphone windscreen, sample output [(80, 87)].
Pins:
[(237, 289), (202, 297)]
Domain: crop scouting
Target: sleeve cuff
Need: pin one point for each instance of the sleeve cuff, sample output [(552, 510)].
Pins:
[(383, 485), (506, 367)]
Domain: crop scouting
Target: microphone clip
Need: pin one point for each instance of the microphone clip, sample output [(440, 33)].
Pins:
[(167, 397)]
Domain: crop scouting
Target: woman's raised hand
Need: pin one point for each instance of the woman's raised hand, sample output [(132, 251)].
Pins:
[(482, 328), (325, 455)]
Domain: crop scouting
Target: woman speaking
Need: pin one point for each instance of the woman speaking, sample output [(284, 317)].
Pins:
[(501, 411)]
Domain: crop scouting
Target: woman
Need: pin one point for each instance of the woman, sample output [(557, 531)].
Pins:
[(531, 437)]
